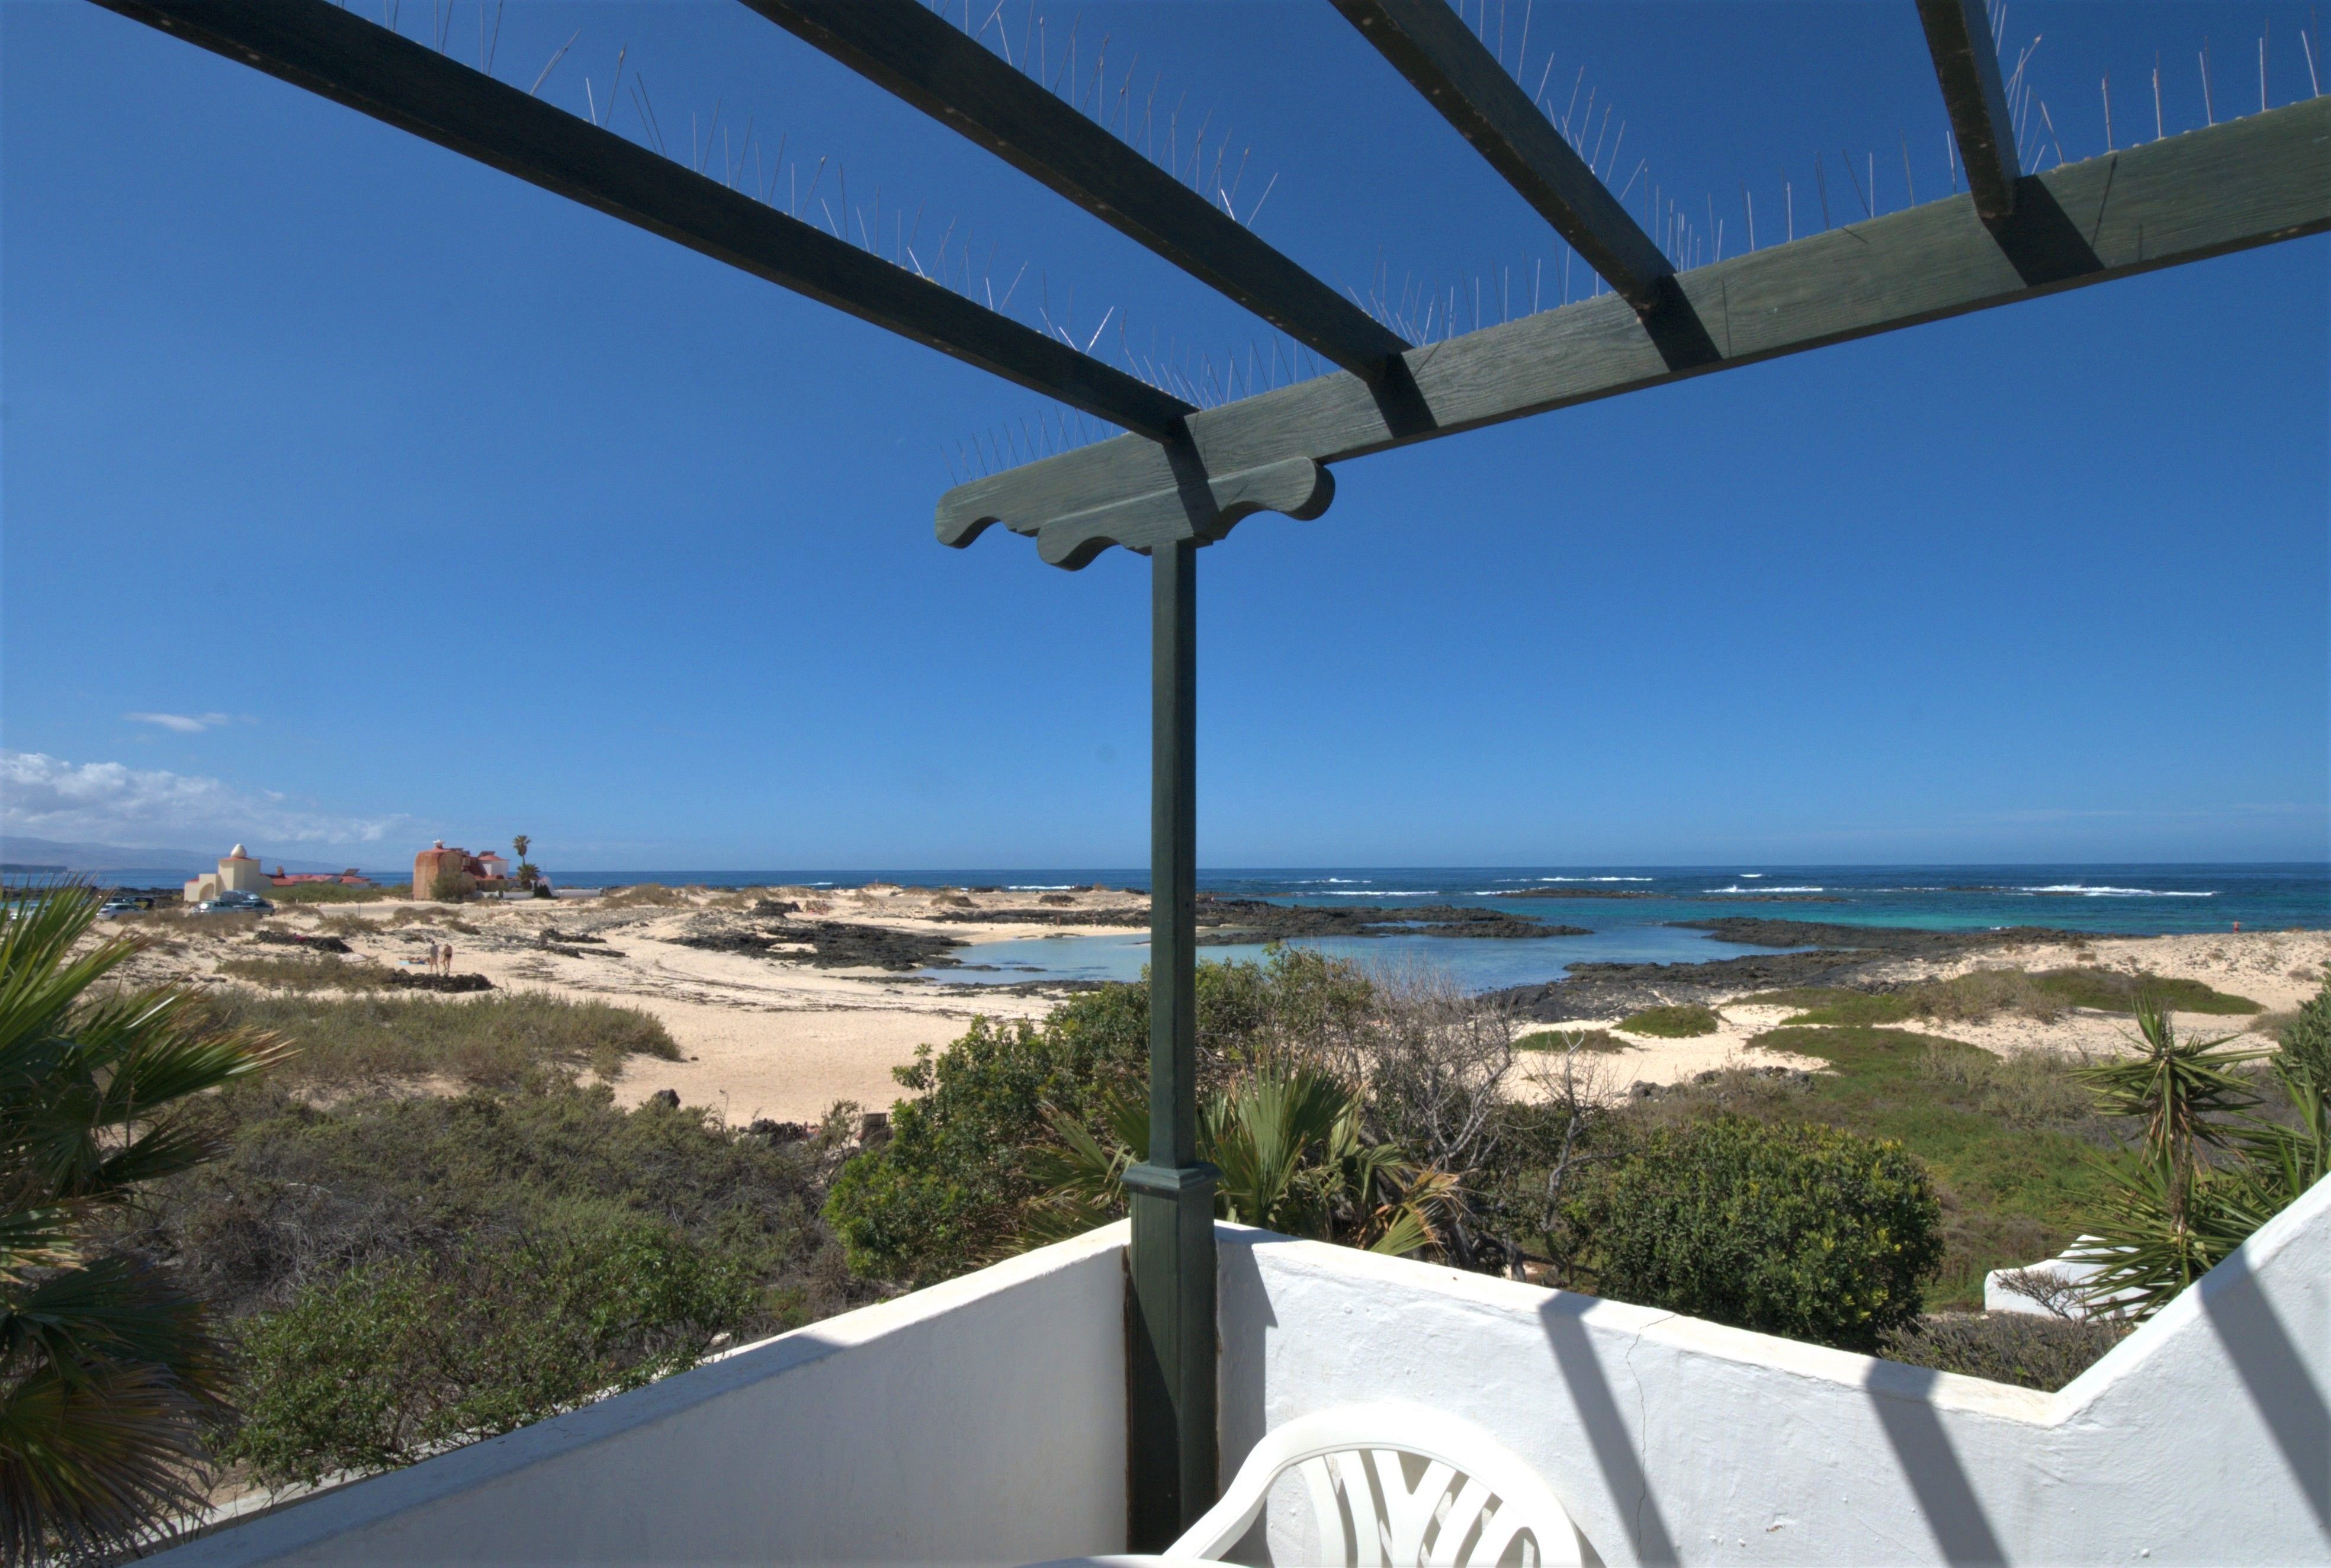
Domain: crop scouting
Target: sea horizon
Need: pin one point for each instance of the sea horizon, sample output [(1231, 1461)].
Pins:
[(1618, 913)]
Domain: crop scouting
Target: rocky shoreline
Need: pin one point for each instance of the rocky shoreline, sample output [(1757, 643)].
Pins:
[(1835, 956), (1229, 922), (1225, 922)]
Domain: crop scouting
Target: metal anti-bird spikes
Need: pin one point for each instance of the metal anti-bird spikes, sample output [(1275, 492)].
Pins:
[(1430, 44), (2239, 183), (930, 63), (313, 44)]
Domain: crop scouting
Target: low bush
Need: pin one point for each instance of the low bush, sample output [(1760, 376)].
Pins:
[(2116, 990), (1677, 1023), (2028, 1089), (1595, 1040), (1982, 994), (390, 1363), (504, 1041), (337, 893), (643, 896), (306, 972), (2018, 1347), (2305, 1041), (1807, 1231)]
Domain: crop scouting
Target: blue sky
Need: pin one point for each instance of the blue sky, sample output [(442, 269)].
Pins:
[(355, 494)]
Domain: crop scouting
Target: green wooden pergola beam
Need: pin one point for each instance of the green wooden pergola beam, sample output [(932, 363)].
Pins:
[(1966, 65), (2235, 185), (339, 55), (1430, 44), (930, 63)]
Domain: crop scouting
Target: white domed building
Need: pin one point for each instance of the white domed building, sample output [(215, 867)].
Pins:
[(238, 872)]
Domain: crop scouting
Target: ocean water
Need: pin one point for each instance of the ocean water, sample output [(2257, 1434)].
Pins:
[(1633, 911)]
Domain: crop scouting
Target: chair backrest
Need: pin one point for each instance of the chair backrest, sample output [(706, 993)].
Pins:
[(1473, 1506)]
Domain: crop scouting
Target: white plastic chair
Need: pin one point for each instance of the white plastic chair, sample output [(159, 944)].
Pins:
[(1472, 1506)]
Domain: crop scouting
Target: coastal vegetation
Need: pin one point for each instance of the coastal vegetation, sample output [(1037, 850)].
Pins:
[(505, 1041), (1683, 1022), (2009, 1143), (1981, 994), (2173, 1213), (338, 893), (1804, 1231), (112, 1375), (430, 1221), (1591, 1039), (307, 971)]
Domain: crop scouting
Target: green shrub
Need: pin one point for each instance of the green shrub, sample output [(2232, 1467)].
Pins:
[(306, 972), (945, 1193), (2114, 991), (1981, 994), (335, 893), (1677, 1023), (502, 1040), (2307, 1038), (1807, 1231), (1593, 1039), (303, 1193), (950, 1189), (2018, 1347), (389, 1364), (2030, 1088)]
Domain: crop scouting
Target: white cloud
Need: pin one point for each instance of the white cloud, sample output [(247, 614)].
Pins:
[(182, 723), (43, 796)]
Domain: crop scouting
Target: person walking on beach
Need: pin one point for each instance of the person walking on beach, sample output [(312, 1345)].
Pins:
[(446, 957)]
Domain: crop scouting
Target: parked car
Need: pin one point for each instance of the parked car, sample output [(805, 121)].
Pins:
[(113, 906), (232, 902)]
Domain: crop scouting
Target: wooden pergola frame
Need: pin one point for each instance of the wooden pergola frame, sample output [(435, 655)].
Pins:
[(1185, 475)]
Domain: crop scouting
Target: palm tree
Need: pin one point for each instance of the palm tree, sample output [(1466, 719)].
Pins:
[(108, 1373), (523, 872)]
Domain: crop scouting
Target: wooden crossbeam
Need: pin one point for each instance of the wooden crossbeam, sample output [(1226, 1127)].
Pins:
[(2242, 184), (931, 64), (314, 44), (1966, 65), (1430, 44)]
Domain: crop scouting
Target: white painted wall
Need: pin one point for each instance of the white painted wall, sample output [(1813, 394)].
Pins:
[(2202, 1437), (984, 1421), (980, 1421)]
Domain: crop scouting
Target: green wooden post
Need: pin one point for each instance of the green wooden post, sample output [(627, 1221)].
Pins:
[(1171, 1465)]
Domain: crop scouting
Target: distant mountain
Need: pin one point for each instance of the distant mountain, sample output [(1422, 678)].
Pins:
[(80, 857)]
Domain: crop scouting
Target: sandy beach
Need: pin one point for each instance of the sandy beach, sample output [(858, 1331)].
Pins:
[(782, 1005)]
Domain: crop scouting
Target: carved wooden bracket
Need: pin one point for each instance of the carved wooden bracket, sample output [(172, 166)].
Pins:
[(1200, 506)]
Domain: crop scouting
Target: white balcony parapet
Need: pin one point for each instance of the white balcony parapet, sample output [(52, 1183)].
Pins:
[(984, 1421)]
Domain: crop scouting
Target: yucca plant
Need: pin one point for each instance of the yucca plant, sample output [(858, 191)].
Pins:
[(1289, 1143), (2173, 1216), (108, 1374)]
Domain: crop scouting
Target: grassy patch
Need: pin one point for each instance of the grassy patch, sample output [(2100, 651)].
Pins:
[(2010, 1142), (1684, 1021), (1596, 1040), (335, 893), (504, 1041), (307, 971), (2114, 991), (1982, 994)]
